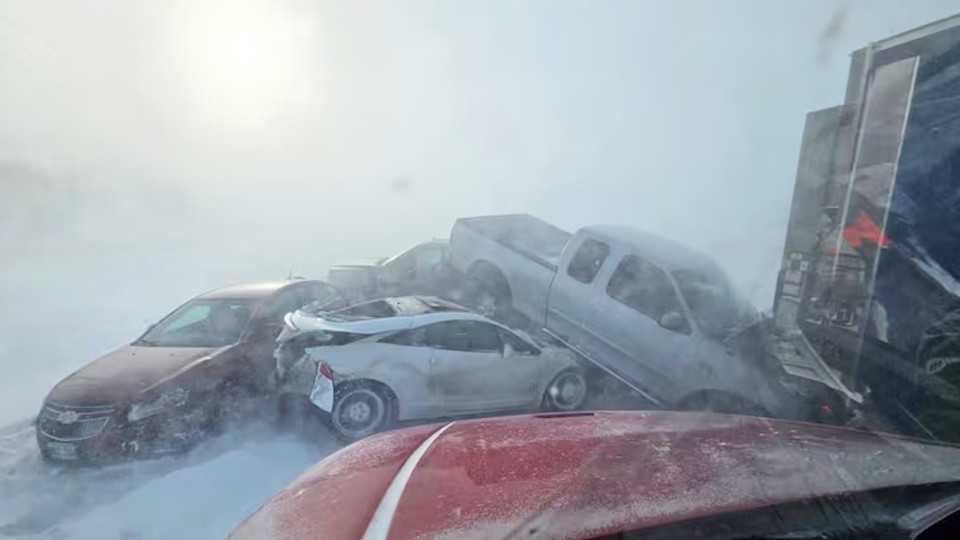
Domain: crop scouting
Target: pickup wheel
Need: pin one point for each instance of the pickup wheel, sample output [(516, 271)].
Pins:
[(566, 392), (491, 297)]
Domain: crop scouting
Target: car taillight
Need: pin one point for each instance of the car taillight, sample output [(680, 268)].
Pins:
[(323, 369)]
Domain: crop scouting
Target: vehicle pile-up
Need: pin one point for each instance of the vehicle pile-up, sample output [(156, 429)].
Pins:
[(513, 314), (506, 317), (382, 343)]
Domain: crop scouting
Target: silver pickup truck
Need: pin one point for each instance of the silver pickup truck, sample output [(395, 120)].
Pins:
[(657, 315)]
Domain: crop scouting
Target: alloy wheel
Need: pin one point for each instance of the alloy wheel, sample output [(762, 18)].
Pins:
[(360, 412)]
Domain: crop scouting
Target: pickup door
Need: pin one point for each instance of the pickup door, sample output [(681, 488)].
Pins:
[(572, 290), (610, 305)]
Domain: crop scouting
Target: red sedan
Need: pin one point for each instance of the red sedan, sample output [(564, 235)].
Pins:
[(644, 474)]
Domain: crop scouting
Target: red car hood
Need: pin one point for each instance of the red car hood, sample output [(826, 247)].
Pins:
[(579, 476), (124, 373)]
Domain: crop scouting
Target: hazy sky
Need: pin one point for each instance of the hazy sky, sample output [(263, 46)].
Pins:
[(196, 142)]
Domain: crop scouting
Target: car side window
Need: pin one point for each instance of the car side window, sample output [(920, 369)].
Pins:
[(644, 287), (429, 260), (518, 345), (403, 267), (472, 336), (410, 338), (588, 259)]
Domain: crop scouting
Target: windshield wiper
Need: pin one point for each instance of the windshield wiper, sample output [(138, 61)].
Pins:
[(145, 342)]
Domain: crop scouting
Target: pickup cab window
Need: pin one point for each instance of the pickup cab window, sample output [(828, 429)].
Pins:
[(713, 305), (644, 287), (588, 259)]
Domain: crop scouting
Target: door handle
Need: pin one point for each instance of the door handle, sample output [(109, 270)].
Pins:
[(433, 361)]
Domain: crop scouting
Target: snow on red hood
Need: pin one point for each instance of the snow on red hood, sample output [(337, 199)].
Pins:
[(578, 476)]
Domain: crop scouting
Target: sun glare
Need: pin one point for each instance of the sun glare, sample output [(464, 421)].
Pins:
[(243, 51), (241, 61)]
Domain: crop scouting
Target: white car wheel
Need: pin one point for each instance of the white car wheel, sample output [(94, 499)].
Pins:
[(359, 412), (566, 392)]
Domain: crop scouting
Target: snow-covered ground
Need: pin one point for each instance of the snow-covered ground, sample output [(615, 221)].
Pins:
[(202, 495), (64, 303), (74, 289)]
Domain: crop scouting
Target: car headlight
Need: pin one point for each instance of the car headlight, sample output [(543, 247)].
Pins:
[(168, 399)]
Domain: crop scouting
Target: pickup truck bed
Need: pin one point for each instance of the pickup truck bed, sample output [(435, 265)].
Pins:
[(533, 238)]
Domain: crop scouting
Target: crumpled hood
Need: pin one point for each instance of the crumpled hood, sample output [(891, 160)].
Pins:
[(123, 374), (583, 475)]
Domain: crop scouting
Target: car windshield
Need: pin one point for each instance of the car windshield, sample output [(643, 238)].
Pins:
[(735, 223), (201, 323)]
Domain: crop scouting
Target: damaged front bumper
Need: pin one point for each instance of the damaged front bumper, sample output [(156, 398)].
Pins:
[(78, 434)]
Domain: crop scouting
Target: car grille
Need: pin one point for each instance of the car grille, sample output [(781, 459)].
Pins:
[(68, 423)]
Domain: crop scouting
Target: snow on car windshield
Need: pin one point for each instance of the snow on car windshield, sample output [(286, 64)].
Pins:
[(743, 208)]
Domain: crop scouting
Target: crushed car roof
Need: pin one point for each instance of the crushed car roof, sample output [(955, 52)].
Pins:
[(384, 315), (414, 305)]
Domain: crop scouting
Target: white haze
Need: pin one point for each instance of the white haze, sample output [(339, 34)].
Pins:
[(140, 164), (138, 171)]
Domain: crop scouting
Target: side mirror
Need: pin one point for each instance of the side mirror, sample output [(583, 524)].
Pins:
[(673, 321), (507, 350)]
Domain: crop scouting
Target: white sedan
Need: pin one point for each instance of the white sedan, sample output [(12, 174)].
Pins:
[(413, 358)]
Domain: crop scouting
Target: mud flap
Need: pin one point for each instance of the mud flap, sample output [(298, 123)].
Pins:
[(799, 358)]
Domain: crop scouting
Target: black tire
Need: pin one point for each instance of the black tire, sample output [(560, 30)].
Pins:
[(940, 356), (360, 410), (490, 292), (935, 402), (566, 392)]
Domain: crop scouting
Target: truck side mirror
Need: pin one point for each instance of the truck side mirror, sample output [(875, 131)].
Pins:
[(507, 351), (673, 321)]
